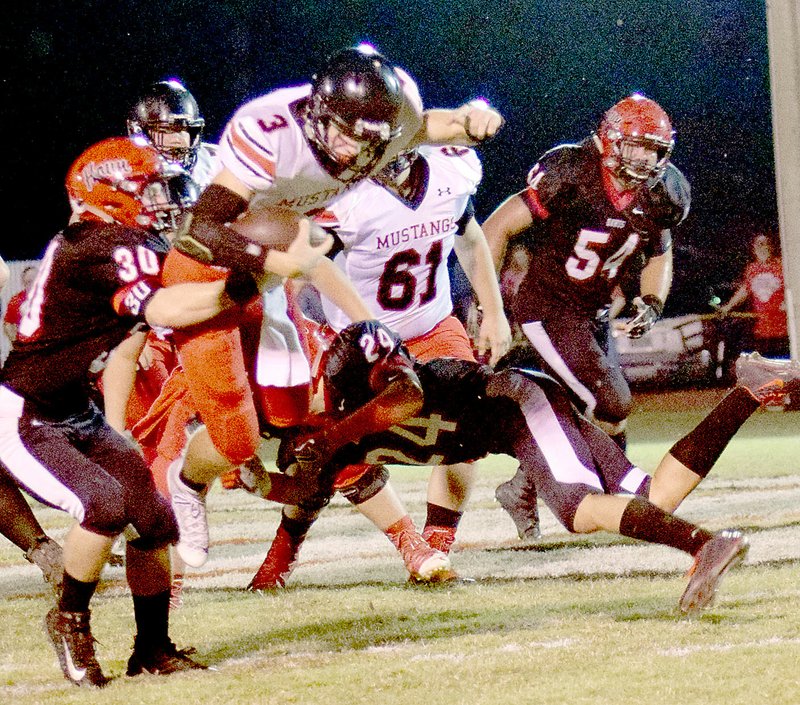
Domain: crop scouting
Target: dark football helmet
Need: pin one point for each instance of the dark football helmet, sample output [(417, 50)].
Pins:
[(359, 92), (631, 124), (128, 180), (164, 110)]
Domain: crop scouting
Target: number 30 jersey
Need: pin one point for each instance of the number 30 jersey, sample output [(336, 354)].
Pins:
[(395, 250), (93, 285)]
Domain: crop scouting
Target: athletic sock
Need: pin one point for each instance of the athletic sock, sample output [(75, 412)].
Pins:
[(699, 449), (75, 594), (645, 521), (442, 516), (151, 613)]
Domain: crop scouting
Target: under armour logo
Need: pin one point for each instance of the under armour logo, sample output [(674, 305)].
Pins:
[(443, 191)]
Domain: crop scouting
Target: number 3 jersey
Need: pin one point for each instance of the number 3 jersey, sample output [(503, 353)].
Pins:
[(91, 290), (582, 243), (395, 250)]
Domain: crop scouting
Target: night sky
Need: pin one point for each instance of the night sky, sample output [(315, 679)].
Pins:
[(71, 70)]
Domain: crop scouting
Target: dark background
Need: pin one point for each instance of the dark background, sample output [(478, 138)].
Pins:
[(71, 70)]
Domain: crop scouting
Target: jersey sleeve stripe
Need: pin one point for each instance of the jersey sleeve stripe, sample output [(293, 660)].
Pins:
[(250, 153), (531, 199)]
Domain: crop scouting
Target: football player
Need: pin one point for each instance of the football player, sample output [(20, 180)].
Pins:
[(597, 210), (168, 115), (18, 523), (387, 407), (99, 278), (298, 148), (395, 233)]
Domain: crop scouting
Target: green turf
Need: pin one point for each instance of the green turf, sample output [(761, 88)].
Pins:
[(578, 620)]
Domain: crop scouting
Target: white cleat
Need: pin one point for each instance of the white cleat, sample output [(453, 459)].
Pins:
[(190, 511)]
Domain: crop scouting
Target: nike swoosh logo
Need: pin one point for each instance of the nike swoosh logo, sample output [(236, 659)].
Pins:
[(637, 211), (75, 674)]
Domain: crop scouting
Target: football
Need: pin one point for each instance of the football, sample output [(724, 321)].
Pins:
[(275, 227)]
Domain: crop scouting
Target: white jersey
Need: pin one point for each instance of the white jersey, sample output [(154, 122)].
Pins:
[(207, 165), (395, 252), (265, 147)]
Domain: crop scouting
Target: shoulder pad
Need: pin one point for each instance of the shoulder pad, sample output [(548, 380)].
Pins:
[(670, 198)]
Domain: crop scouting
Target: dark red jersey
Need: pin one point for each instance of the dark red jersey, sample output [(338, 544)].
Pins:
[(93, 284), (584, 240)]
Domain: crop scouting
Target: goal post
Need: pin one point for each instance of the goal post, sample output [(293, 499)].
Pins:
[(783, 32)]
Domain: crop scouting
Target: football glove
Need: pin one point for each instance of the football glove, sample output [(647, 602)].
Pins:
[(648, 310)]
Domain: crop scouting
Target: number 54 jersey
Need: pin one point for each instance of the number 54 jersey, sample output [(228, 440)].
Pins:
[(395, 249), (92, 288)]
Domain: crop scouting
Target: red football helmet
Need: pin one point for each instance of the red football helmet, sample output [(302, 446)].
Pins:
[(636, 139), (126, 180)]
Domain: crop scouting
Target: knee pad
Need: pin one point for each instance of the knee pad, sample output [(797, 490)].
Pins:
[(154, 522), (366, 485), (105, 512)]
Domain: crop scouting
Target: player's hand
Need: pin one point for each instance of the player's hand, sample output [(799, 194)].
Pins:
[(648, 311), (494, 335), (481, 122), (307, 249)]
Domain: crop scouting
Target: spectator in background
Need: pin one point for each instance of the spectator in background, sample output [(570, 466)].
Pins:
[(762, 286), (16, 305)]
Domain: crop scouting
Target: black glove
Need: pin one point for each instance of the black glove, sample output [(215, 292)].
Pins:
[(648, 310)]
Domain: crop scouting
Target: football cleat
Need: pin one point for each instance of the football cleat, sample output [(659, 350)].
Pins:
[(162, 661), (715, 558), (190, 511), (440, 538), (423, 563), (71, 636), (524, 515), (769, 381), (278, 565), (48, 556)]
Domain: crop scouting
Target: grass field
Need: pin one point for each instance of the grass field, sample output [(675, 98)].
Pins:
[(578, 620)]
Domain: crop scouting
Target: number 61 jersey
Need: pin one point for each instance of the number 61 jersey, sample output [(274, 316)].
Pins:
[(93, 284), (395, 250)]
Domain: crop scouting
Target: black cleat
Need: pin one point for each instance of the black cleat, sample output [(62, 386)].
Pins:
[(162, 661), (524, 515), (72, 639)]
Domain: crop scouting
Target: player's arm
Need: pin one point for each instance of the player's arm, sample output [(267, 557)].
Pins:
[(510, 218), (398, 397), (10, 329), (332, 283), (205, 236), (473, 253), (184, 305), (470, 125), (654, 284), (119, 378)]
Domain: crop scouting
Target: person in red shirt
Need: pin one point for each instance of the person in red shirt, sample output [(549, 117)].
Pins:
[(762, 286), (15, 309)]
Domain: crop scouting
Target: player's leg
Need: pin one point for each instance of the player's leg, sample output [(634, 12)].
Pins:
[(550, 444), (449, 485), (374, 496), (692, 457), (153, 529), (20, 526), (569, 350)]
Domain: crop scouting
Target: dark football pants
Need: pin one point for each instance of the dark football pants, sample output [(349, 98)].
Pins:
[(82, 466), (577, 352)]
